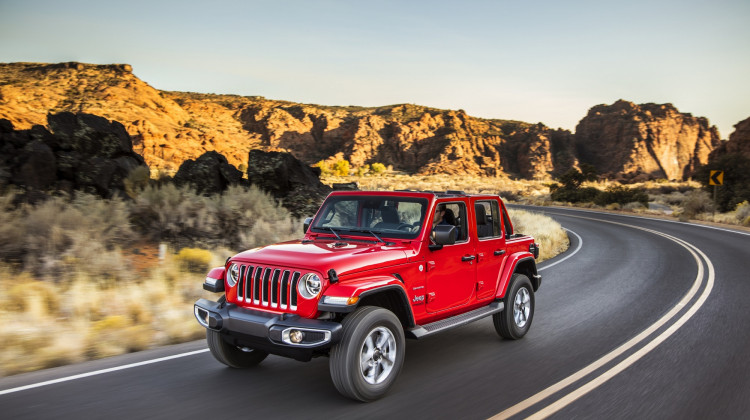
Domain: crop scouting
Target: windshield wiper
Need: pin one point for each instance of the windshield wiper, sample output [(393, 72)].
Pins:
[(373, 233), (335, 233), (341, 241)]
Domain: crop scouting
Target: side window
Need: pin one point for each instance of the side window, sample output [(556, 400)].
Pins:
[(454, 214), (508, 226), (488, 219)]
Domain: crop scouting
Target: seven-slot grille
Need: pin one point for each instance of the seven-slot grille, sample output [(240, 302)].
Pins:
[(267, 286)]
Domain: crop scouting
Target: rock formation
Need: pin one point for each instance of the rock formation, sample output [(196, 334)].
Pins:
[(169, 128), (622, 140), (209, 174), (647, 141), (286, 178), (739, 141), (80, 152)]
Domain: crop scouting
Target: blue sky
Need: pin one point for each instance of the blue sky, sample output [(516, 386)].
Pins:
[(534, 61)]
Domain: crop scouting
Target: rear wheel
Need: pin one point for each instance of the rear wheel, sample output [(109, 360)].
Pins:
[(230, 355), (515, 319), (366, 362)]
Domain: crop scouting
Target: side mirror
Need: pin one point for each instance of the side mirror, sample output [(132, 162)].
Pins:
[(306, 224), (443, 235)]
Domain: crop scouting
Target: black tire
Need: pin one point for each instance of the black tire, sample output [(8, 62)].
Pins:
[(515, 319), (230, 355), (368, 330)]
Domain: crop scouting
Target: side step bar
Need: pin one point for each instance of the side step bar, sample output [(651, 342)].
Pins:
[(456, 321)]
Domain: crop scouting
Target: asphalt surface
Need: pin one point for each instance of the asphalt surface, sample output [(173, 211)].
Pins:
[(629, 323)]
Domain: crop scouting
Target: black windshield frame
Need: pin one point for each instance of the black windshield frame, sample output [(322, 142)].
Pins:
[(355, 215)]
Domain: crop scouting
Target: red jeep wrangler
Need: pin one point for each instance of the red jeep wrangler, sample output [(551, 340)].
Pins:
[(372, 269)]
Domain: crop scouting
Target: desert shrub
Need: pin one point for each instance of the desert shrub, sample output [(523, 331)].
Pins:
[(137, 179), (362, 170), (46, 238), (742, 213), (240, 217), (620, 194), (574, 195), (325, 168), (695, 203), (377, 168), (195, 260), (170, 213), (341, 168)]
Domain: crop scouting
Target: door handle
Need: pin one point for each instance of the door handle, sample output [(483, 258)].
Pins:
[(468, 258), (500, 252)]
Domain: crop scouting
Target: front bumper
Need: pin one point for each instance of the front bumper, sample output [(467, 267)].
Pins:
[(270, 332)]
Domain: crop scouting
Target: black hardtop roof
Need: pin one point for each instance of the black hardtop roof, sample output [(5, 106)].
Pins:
[(437, 194), (450, 193)]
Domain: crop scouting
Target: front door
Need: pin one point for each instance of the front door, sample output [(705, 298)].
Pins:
[(451, 271)]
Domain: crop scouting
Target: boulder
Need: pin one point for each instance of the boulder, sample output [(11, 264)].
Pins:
[(210, 173), (80, 152), (285, 177)]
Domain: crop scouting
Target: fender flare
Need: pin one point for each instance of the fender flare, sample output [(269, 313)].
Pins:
[(514, 260), (369, 287)]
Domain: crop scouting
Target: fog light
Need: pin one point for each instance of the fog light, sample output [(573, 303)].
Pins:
[(296, 336)]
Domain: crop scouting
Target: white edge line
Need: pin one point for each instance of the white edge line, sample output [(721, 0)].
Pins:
[(578, 248), (618, 368), (100, 372), (587, 370)]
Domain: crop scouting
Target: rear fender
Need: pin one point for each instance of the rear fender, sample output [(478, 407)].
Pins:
[(522, 262)]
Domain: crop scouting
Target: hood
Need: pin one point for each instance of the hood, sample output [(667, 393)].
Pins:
[(323, 255)]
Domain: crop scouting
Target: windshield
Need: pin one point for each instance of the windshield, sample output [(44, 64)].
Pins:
[(386, 216)]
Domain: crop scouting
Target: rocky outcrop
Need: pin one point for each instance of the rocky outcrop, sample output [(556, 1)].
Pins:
[(79, 152), (209, 174), (622, 140), (169, 128), (738, 143), (646, 141), (289, 180)]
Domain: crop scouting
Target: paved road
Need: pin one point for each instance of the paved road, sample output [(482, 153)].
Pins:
[(639, 319)]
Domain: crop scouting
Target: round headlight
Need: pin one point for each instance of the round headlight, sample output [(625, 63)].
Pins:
[(234, 275), (309, 286)]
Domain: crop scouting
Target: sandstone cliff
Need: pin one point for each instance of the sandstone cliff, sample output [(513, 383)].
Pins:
[(739, 141), (621, 140), (630, 141), (169, 128)]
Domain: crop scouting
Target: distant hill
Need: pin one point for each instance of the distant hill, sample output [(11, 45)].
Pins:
[(622, 140)]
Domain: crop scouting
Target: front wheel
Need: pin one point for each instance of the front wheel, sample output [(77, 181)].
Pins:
[(515, 319), (366, 362), (230, 355)]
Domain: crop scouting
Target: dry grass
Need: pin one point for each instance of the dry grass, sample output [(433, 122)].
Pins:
[(69, 292), (48, 324), (549, 234)]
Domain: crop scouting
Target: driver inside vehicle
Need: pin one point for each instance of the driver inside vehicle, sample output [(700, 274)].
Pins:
[(439, 218)]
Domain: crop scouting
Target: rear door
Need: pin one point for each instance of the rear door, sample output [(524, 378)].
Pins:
[(490, 247), (451, 271)]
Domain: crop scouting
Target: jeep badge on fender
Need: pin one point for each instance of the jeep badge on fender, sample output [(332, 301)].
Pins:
[(374, 268)]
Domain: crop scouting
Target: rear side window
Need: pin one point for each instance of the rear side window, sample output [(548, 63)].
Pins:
[(488, 219)]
